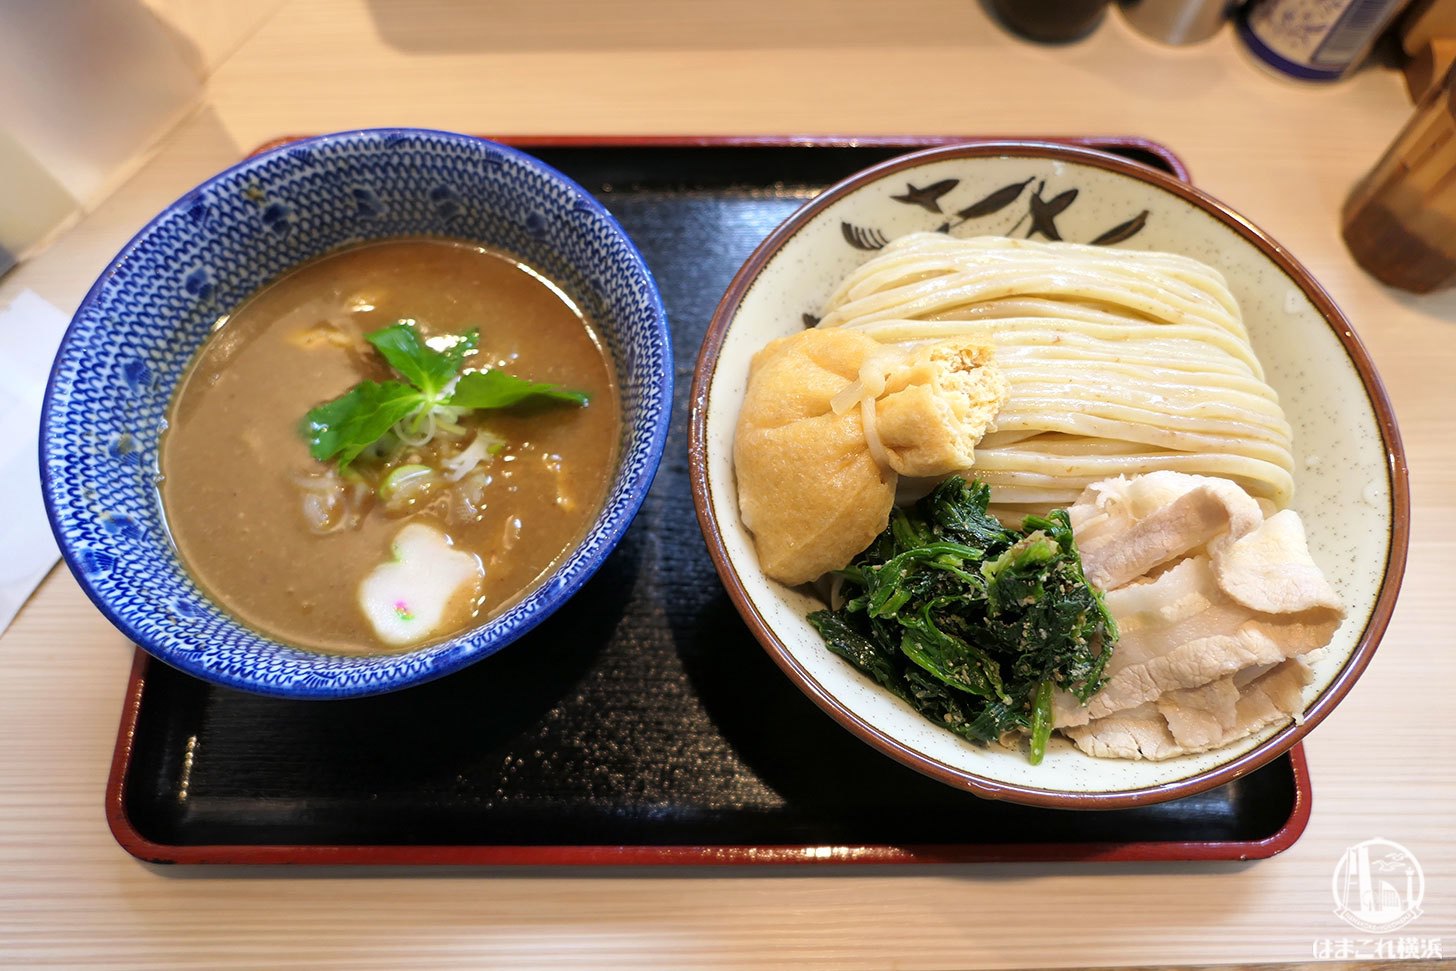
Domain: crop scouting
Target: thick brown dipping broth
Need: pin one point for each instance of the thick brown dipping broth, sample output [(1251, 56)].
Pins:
[(232, 457)]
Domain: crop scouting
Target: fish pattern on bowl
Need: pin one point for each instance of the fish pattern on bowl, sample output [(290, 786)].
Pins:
[(1355, 514), (1038, 218)]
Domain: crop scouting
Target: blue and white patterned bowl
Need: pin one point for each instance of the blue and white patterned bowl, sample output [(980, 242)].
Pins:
[(137, 330)]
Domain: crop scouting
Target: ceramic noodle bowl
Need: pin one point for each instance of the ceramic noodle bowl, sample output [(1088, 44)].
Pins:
[(137, 330), (1350, 477)]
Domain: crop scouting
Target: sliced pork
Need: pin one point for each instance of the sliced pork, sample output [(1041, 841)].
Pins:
[(1215, 605)]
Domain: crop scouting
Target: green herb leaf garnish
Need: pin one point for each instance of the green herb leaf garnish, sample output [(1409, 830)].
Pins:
[(433, 394), (418, 363), (973, 624), (497, 389), (342, 428)]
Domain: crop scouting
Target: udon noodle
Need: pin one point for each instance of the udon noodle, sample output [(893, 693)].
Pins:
[(1119, 362)]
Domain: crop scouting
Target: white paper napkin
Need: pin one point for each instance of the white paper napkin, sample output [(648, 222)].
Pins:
[(30, 331)]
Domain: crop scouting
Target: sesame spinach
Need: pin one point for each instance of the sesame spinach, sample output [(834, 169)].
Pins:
[(973, 624)]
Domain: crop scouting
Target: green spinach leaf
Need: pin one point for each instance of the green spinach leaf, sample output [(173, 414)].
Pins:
[(973, 624)]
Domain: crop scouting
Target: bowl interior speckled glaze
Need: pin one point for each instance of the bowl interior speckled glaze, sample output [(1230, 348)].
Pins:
[(138, 329), (1350, 472)]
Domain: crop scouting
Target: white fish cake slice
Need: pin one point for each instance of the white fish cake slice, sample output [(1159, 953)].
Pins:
[(426, 586)]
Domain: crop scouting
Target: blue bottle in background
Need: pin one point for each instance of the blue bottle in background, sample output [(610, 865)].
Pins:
[(1315, 40)]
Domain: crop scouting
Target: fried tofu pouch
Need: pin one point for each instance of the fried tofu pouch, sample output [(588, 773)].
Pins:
[(810, 486)]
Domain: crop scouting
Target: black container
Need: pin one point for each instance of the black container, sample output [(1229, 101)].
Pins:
[(1050, 21)]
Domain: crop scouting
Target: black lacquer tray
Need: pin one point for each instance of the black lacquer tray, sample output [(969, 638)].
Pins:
[(641, 724)]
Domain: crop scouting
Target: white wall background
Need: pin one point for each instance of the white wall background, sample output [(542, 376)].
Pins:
[(88, 87)]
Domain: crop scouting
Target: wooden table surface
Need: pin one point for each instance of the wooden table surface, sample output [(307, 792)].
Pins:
[(1284, 154)]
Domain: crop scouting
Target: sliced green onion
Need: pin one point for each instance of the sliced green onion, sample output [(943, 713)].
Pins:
[(404, 478)]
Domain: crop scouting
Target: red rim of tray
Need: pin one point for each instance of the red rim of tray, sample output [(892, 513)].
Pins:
[(148, 850)]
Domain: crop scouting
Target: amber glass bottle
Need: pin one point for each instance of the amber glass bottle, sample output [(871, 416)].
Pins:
[(1400, 220)]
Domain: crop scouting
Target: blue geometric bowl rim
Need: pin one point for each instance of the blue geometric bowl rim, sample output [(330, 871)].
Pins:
[(474, 645)]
